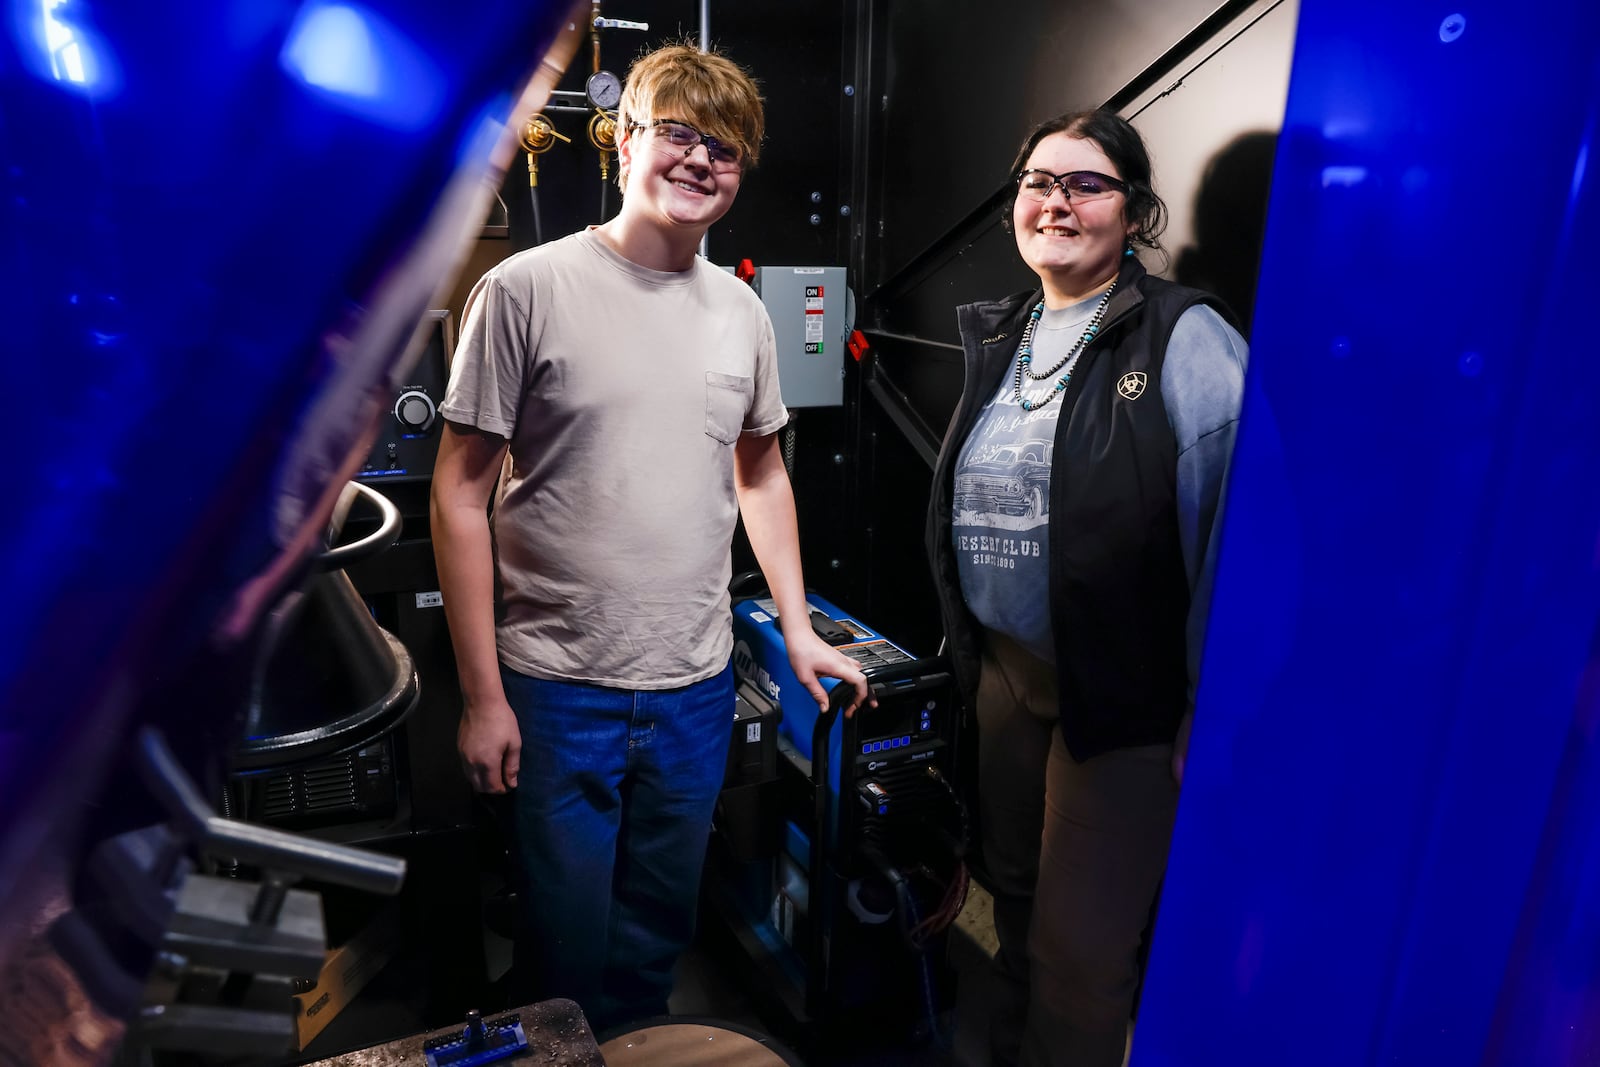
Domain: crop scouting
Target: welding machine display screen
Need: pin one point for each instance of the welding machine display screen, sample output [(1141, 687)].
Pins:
[(893, 724)]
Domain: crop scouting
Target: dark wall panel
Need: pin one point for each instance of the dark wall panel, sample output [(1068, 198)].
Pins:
[(794, 51), (965, 82), (1212, 131), (983, 267), (891, 588)]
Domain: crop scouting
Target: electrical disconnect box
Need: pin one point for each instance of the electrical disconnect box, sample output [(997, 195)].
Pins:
[(812, 313)]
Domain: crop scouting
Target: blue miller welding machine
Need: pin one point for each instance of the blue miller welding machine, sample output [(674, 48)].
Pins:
[(839, 856)]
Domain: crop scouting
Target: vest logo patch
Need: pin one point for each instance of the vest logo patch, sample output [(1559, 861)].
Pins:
[(997, 338), (1131, 385)]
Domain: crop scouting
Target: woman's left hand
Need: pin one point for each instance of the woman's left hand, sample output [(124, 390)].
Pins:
[(1180, 746)]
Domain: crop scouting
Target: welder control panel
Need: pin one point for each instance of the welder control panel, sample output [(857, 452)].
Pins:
[(408, 434), (910, 723)]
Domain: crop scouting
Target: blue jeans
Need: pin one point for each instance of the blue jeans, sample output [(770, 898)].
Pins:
[(613, 807)]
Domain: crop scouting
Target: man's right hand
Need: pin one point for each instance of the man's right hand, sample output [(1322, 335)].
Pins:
[(491, 747)]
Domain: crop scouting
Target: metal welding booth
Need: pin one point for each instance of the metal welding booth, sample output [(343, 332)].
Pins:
[(231, 229)]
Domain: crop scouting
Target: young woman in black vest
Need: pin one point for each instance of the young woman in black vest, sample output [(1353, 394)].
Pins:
[(1071, 536)]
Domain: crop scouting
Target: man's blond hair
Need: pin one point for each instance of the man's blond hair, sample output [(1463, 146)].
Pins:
[(707, 90)]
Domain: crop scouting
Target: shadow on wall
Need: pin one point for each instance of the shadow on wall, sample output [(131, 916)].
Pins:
[(1230, 219)]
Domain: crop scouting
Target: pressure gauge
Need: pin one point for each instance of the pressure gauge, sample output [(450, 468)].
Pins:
[(604, 90)]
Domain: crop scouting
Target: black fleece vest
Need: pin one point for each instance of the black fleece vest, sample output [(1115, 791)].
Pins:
[(1119, 592)]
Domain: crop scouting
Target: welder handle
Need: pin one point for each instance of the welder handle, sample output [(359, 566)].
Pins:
[(881, 681), (911, 675)]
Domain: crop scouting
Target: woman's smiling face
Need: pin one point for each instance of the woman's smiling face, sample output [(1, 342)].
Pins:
[(1075, 247)]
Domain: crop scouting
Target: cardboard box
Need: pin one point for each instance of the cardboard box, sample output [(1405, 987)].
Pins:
[(348, 969)]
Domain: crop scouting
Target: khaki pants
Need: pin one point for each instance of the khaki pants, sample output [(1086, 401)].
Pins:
[(1075, 854)]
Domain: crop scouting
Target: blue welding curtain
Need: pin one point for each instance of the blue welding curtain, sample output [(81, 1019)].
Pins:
[(220, 222), (1388, 844)]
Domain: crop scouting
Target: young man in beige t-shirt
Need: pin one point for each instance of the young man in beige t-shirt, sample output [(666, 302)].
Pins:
[(618, 396)]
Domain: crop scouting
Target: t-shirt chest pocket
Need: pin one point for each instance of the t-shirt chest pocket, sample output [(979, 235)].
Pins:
[(727, 400)]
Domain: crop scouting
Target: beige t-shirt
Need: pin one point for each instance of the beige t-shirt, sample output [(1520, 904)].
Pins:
[(622, 391)]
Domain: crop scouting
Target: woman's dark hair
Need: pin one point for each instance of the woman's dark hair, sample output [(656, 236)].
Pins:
[(1125, 148)]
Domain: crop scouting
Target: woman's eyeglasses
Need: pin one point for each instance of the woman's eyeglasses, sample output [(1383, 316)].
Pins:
[(1075, 185), (684, 136)]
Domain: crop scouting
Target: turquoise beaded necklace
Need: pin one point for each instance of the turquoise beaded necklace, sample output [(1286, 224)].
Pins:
[(1025, 355)]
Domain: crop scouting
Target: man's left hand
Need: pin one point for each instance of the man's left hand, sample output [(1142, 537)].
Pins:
[(811, 658)]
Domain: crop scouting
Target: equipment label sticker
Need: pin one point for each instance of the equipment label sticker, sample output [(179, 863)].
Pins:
[(877, 653), (430, 600), (814, 314), (752, 733)]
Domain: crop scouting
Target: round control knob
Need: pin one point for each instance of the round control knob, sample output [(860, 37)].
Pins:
[(414, 410)]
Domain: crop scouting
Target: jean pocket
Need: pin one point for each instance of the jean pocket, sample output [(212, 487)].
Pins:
[(727, 400)]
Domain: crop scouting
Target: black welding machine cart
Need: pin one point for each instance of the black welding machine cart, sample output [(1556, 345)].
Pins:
[(839, 857)]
